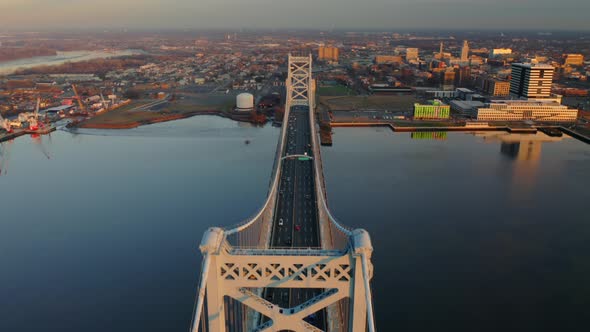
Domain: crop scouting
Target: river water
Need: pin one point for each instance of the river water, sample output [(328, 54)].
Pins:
[(99, 230), (9, 67), (472, 232)]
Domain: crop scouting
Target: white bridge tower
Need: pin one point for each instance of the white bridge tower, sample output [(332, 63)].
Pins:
[(239, 263)]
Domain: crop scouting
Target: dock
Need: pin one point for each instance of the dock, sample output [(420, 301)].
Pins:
[(574, 134), (20, 132)]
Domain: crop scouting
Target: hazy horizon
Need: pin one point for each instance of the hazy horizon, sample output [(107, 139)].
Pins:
[(542, 15)]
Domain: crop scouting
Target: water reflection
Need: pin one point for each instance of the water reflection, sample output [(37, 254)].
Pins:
[(456, 244), (524, 150), (520, 147), (4, 156), (115, 215), (429, 135)]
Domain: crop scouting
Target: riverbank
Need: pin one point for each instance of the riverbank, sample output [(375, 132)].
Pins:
[(146, 118), (180, 106)]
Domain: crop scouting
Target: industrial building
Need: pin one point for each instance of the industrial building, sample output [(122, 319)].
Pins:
[(519, 110), (495, 52), (531, 80), (434, 109), (469, 95), (573, 60), (382, 59), (327, 53), (245, 102), (466, 107)]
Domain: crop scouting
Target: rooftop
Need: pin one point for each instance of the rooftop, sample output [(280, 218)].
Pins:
[(533, 65)]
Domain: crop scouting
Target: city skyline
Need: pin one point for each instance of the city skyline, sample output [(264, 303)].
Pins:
[(304, 14)]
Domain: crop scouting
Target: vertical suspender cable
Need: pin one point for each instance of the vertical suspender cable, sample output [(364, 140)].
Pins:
[(368, 296), (201, 294)]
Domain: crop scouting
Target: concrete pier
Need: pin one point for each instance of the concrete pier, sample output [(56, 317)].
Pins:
[(20, 132)]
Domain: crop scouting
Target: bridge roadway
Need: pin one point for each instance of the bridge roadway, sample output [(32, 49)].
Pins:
[(295, 223)]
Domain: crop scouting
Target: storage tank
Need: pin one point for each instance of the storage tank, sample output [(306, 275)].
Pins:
[(245, 102)]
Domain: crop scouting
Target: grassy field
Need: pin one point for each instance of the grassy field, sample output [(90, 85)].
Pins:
[(187, 104), (385, 102), (335, 90), (202, 102)]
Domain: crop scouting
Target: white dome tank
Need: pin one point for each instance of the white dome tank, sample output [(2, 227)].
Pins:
[(245, 101)]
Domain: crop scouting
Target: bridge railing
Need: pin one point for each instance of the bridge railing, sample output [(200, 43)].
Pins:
[(255, 231), (335, 235)]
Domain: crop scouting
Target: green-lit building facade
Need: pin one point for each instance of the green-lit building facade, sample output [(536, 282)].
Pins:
[(433, 110)]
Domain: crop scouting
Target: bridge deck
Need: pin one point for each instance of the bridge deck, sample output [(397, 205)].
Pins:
[(295, 223), (283, 264)]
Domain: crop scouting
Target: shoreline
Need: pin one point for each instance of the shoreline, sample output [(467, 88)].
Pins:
[(573, 134), (165, 118)]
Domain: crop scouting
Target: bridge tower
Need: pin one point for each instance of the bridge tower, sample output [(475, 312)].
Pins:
[(239, 263), (300, 85)]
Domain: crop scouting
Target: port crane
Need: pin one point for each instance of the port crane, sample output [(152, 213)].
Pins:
[(105, 105), (34, 121), (80, 104)]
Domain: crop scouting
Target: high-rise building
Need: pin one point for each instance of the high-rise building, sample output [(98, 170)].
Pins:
[(463, 76), (531, 81), (465, 51), (573, 60), (328, 53), (448, 77), (411, 54), (441, 53)]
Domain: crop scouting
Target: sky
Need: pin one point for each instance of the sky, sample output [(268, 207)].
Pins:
[(542, 15)]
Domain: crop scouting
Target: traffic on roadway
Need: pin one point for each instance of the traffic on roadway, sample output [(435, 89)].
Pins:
[(295, 223)]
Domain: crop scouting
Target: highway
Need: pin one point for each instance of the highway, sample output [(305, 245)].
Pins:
[(295, 223)]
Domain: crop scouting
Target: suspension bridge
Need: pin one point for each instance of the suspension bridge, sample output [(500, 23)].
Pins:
[(292, 266)]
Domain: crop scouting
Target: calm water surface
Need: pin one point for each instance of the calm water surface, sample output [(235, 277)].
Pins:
[(99, 231), (103, 235), (472, 232)]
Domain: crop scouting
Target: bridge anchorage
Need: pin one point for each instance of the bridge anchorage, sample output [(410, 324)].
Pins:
[(292, 266)]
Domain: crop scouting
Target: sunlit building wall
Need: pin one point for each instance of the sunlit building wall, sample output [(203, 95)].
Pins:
[(411, 54), (573, 60), (327, 53), (516, 110)]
